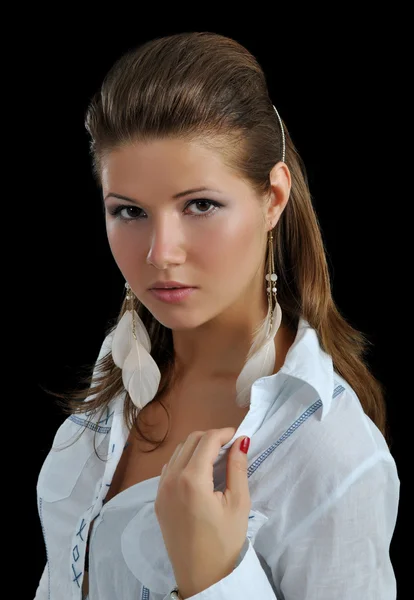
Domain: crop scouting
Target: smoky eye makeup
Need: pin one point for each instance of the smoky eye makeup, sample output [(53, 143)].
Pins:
[(134, 213)]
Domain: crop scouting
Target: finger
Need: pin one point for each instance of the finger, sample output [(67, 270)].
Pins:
[(162, 474), (175, 454), (237, 481), (186, 451), (205, 454), (167, 465)]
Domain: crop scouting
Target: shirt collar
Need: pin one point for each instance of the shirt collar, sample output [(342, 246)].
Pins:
[(308, 362)]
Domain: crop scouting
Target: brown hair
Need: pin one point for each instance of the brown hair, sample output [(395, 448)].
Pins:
[(208, 87)]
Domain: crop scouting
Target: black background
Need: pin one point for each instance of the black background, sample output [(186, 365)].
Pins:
[(331, 82)]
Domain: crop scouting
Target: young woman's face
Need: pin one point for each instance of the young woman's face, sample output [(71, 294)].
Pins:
[(212, 239)]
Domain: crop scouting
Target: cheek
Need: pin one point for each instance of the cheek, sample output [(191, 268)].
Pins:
[(125, 248), (221, 251)]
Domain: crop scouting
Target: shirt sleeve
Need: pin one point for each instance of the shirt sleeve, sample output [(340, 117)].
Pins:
[(341, 551), (42, 592), (247, 580)]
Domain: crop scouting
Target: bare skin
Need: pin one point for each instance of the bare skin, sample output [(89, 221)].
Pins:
[(159, 237), (156, 236), (214, 408), (161, 234)]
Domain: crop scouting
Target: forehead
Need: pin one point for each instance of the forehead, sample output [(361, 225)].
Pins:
[(168, 165)]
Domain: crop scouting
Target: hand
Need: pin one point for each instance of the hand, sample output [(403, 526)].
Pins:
[(203, 530)]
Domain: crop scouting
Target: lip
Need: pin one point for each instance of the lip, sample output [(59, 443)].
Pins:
[(160, 285), (173, 296)]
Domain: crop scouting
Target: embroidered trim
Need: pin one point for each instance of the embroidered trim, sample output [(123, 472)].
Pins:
[(44, 538), (85, 423), (308, 412), (145, 593)]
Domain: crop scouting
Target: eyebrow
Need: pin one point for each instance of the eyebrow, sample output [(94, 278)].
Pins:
[(176, 196)]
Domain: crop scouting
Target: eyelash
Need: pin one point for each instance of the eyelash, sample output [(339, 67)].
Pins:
[(116, 211)]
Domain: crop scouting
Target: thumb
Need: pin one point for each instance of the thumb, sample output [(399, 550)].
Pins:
[(237, 481)]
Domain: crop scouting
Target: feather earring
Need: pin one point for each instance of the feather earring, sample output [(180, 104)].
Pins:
[(131, 347), (261, 357)]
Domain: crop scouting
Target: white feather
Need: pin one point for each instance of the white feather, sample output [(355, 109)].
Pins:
[(140, 373), (260, 361)]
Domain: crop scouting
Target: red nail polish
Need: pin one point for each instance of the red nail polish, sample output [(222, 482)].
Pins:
[(244, 446)]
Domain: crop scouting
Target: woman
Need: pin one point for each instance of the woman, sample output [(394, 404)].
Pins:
[(148, 491)]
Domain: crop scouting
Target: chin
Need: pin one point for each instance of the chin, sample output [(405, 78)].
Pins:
[(185, 321)]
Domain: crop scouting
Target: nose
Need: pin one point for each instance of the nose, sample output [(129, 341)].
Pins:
[(166, 245)]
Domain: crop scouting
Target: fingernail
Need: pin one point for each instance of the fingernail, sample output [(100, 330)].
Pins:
[(244, 446)]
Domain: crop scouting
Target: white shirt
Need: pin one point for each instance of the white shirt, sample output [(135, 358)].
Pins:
[(324, 495)]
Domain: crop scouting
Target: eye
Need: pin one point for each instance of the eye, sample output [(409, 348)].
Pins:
[(133, 216)]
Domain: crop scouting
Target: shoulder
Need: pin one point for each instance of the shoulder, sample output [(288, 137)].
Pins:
[(340, 460), (324, 456), (343, 446)]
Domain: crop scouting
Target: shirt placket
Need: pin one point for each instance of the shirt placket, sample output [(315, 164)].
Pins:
[(80, 537)]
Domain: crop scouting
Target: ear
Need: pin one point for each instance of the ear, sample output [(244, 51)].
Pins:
[(281, 183)]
